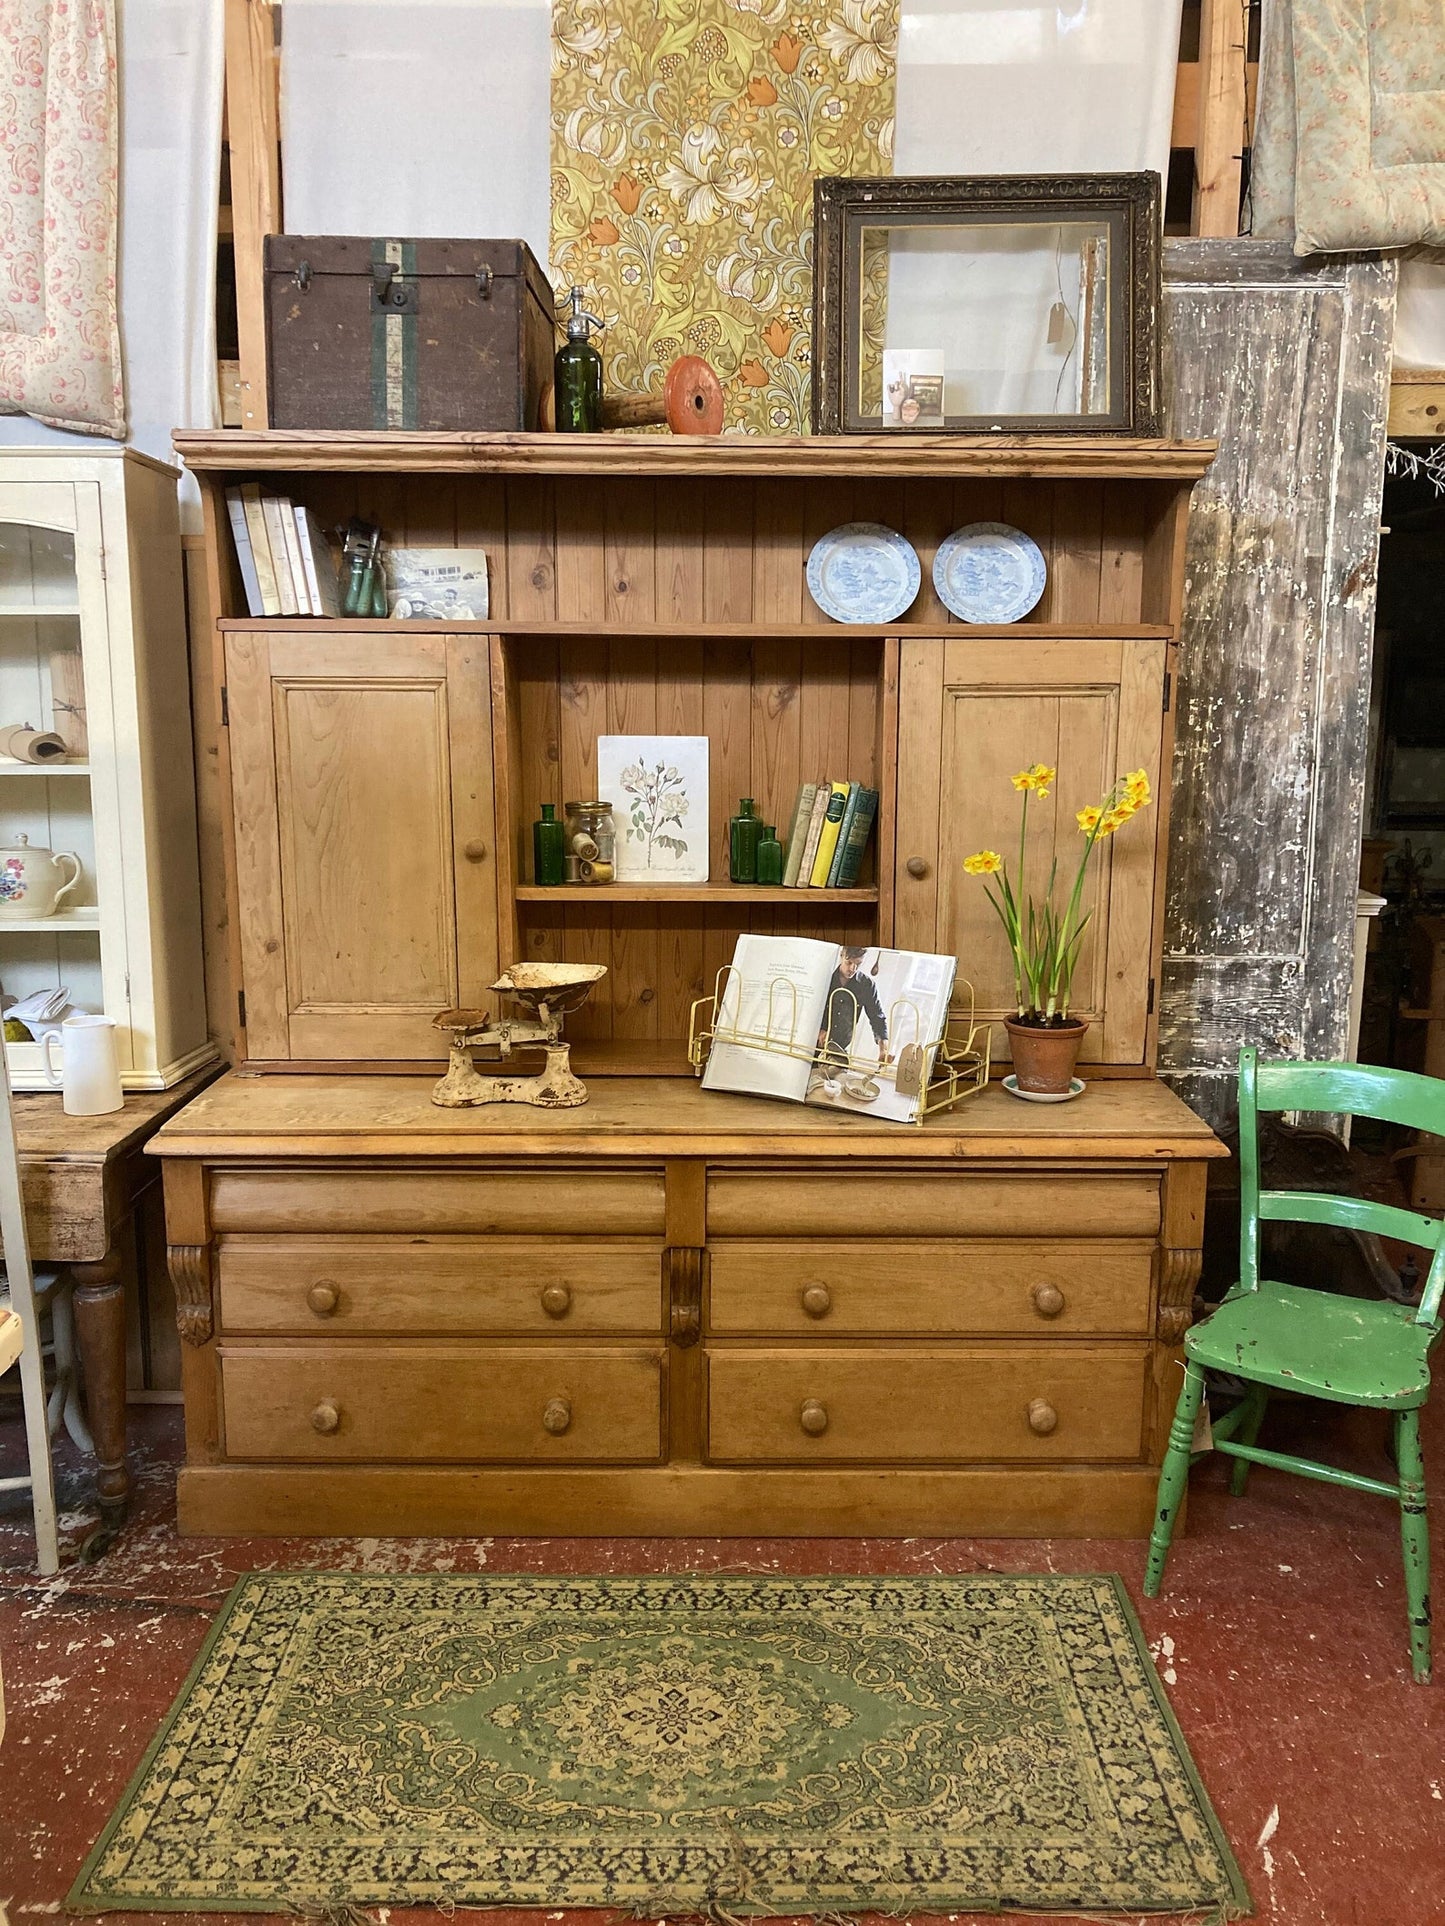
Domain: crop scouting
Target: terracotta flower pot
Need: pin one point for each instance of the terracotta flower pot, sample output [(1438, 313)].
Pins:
[(1044, 1054)]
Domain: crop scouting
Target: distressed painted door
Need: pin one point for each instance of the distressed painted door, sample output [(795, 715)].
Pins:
[(972, 712), (362, 784), (1287, 363)]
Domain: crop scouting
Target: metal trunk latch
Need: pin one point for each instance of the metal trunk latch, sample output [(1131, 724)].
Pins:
[(484, 283), (302, 276), (389, 295)]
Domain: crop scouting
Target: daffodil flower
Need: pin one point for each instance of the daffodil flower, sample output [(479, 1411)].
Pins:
[(987, 862)]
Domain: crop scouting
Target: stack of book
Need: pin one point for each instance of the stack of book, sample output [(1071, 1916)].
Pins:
[(285, 562), (832, 822)]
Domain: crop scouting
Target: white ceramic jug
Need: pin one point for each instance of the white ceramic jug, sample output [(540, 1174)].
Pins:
[(30, 882), (92, 1065)]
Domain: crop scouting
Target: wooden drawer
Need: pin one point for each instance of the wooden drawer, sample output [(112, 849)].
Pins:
[(937, 1405), (859, 1286), (585, 1201), (507, 1403), (863, 1202), (414, 1286)]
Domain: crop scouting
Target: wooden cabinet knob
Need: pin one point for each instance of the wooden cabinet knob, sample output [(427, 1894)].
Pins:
[(817, 1300), (556, 1300), (557, 1416), (1048, 1299), (325, 1418), (323, 1297), (475, 852), (1042, 1417), (916, 867), (813, 1417)]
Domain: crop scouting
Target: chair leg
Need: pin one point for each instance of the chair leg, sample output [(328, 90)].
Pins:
[(1173, 1476), (1257, 1398), (1414, 1533)]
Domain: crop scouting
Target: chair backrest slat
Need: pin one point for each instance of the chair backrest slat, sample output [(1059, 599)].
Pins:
[(1360, 1090)]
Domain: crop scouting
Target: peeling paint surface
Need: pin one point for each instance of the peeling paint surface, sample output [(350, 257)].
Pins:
[(1280, 1637)]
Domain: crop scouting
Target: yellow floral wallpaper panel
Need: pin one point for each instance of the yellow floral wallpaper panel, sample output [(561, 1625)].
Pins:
[(686, 136)]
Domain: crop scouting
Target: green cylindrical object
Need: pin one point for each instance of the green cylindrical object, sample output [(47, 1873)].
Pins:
[(770, 856), (549, 859), (745, 832), (577, 375)]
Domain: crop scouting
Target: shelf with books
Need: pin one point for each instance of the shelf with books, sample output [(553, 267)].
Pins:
[(730, 894)]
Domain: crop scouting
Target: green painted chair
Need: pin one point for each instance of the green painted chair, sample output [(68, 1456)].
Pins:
[(1283, 1338)]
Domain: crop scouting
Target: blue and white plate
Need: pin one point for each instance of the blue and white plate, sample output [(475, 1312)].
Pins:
[(863, 572), (989, 572)]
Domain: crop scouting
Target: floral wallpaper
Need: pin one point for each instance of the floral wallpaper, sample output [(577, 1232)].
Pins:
[(686, 136)]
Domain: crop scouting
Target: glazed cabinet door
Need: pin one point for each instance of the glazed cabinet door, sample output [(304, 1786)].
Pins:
[(971, 714), (361, 775)]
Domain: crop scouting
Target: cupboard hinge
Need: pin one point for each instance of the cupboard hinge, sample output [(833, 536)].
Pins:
[(241, 1007), (1168, 686), (225, 707), (1149, 1006)]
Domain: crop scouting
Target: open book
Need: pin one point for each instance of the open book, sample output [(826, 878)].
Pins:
[(826, 1023)]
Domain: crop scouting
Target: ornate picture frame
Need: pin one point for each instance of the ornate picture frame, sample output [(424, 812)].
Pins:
[(1113, 322)]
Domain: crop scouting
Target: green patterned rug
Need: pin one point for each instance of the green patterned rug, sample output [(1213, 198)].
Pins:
[(750, 1745)]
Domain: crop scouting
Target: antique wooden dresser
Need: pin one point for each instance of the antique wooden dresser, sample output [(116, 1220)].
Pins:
[(670, 1310)]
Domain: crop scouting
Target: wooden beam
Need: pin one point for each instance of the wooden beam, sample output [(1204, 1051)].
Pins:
[(1219, 149), (253, 121), (1184, 129), (1417, 403)]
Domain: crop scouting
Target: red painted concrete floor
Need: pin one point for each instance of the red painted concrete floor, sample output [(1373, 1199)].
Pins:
[(1280, 1638)]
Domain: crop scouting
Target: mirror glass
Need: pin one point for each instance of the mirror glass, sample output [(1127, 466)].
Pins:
[(987, 319)]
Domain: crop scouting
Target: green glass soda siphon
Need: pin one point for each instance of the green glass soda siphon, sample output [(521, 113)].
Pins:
[(578, 374)]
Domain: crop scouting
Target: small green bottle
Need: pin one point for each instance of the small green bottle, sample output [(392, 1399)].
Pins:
[(745, 832), (770, 856), (549, 862), (578, 374)]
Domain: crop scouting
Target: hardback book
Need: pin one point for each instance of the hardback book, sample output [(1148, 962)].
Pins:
[(299, 584), (272, 508), (842, 1026), (798, 833), (261, 547), (321, 583), (853, 838), (815, 830), (241, 536), (828, 835)]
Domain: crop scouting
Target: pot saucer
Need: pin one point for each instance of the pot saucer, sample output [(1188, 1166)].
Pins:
[(1075, 1089)]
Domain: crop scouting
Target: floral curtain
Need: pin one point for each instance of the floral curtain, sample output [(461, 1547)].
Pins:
[(59, 331), (686, 136)]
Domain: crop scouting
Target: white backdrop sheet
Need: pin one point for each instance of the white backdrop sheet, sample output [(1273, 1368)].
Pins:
[(171, 71)]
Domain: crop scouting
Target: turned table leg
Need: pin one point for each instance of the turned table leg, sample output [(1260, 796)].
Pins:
[(99, 1302)]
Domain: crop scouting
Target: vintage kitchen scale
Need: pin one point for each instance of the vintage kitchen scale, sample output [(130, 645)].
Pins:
[(547, 992)]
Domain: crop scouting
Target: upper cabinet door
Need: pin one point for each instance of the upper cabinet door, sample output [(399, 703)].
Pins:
[(361, 771), (971, 715)]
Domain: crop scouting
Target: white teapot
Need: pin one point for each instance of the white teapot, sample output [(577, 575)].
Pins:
[(30, 882)]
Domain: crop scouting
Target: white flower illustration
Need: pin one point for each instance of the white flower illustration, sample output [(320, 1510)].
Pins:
[(864, 42), (708, 177)]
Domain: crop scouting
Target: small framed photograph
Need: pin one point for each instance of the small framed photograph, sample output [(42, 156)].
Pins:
[(436, 584), (657, 786), (913, 387)]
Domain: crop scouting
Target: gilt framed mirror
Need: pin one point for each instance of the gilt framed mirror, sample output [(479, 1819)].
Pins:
[(993, 304)]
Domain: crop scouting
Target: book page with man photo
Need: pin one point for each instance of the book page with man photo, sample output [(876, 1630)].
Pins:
[(884, 1012)]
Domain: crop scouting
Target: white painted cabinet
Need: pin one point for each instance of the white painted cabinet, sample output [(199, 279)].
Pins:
[(90, 566)]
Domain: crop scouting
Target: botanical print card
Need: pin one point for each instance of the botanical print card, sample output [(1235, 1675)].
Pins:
[(657, 786)]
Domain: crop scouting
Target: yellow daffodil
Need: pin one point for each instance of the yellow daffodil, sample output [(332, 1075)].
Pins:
[(986, 863), (1115, 818), (1136, 787), (1037, 778), (1088, 819)]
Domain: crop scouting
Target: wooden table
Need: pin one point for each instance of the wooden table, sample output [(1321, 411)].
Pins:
[(674, 1311), (81, 1178)]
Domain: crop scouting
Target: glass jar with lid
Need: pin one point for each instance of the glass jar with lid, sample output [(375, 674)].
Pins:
[(591, 842)]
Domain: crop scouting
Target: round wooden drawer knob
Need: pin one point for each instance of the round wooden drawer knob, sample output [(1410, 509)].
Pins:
[(1042, 1417), (817, 1300), (325, 1418), (557, 1416), (813, 1417), (556, 1300), (323, 1297), (1048, 1299), (917, 868), (474, 852)]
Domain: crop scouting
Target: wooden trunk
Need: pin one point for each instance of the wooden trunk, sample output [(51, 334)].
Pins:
[(442, 335)]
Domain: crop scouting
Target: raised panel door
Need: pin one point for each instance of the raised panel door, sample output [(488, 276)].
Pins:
[(972, 714), (361, 772)]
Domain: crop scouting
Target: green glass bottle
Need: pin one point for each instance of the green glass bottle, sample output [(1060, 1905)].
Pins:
[(770, 856), (578, 374), (549, 861), (745, 832)]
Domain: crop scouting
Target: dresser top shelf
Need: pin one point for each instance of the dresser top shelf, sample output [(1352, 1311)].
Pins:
[(263, 1118), (874, 457)]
